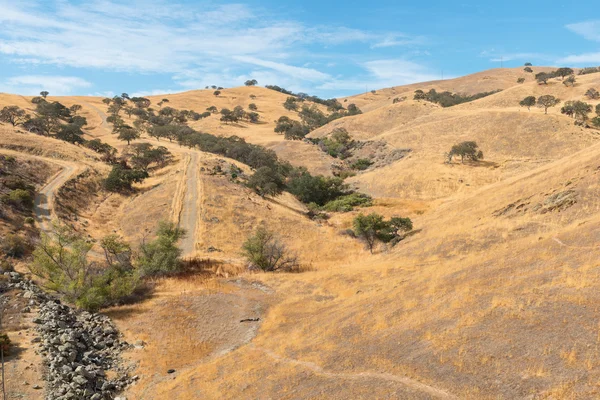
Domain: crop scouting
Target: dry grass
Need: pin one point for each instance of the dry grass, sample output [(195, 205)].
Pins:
[(479, 304)]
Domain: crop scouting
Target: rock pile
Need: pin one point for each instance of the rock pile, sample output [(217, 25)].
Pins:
[(78, 347)]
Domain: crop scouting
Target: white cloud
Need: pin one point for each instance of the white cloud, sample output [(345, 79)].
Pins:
[(383, 73), (197, 44), (588, 29), (495, 56), (307, 74), (33, 84), (585, 58)]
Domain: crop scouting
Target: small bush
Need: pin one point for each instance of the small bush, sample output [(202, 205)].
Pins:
[(265, 251), (14, 245), (161, 256), (20, 198), (5, 343), (361, 164)]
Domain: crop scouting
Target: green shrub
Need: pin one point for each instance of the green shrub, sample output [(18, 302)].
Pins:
[(161, 256), (29, 221), (20, 198), (316, 189), (373, 228), (14, 245), (348, 202), (121, 178), (361, 164), (265, 251)]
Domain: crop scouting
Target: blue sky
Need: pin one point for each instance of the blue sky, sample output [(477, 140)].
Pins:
[(327, 48)]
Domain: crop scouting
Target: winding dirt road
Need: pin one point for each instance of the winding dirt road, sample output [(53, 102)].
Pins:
[(44, 200)]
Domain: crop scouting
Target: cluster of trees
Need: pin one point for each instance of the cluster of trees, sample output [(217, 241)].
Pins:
[(333, 104), (580, 110), (373, 228), (545, 102), (62, 259), (588, 70), (449, 99), (468, 150), (311, 118), (238, 113), (271, 175), (543, 77), (50, 119)]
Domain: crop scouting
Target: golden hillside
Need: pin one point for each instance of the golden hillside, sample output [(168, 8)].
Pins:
[(492, 296)]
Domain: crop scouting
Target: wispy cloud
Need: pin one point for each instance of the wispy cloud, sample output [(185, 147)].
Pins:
[(590, 30), (199, 44), (33, 84), (384, 73), (496, 56)]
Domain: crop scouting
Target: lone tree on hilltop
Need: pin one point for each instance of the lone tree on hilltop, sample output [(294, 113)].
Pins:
[(466, 150), (251, 82), (527, 69), (592, 94), (13, 115), (217, 93), (546, 101), (528, 102), (528, 64), (44, 93), (562, 72)]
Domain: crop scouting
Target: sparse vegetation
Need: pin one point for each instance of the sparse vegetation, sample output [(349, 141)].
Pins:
[(521, 80), (61, 259)]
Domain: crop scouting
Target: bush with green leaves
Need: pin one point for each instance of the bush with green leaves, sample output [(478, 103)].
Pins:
[(267, 181), (316, 189), (161, 256), (348, 202), (20, 198), (264, 250), (14, 245), (361, 164), (62, 260), (374, 228), (121, 178)]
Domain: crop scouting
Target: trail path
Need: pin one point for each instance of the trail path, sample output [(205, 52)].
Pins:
[(45, 198), (186, 205), (367, 375)]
